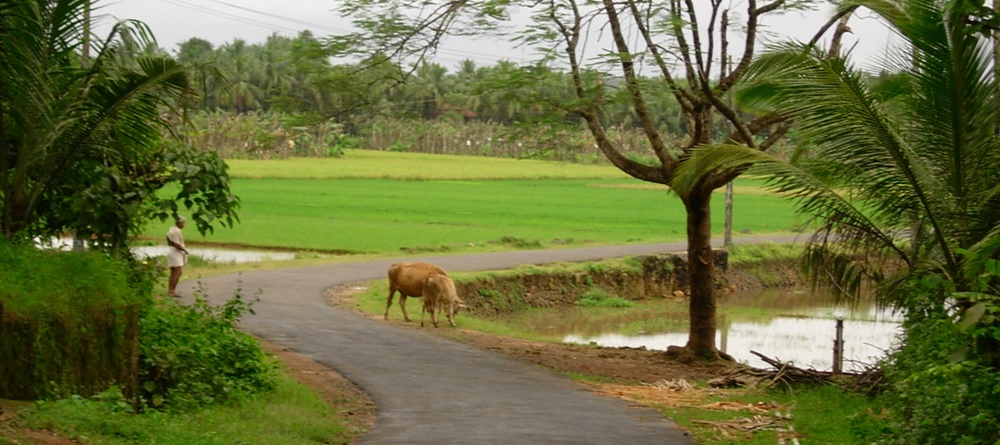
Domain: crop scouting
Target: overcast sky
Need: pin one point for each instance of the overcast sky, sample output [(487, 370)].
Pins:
[(222, 21)]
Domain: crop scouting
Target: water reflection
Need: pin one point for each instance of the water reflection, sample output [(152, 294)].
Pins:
[(792, 326)]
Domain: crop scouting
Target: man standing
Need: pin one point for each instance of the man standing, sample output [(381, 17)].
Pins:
[(176, 255)]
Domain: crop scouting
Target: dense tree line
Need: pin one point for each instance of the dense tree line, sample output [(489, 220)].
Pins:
[(298, 75)]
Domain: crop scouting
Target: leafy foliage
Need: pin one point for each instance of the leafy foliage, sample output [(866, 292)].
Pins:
[(193, 356), (945, 385), (81, 141), (893, 172)]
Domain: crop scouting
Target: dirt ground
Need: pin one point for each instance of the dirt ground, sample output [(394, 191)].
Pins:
[(630, 373)]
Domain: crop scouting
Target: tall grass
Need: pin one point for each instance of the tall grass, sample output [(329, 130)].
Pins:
[(68, 323)]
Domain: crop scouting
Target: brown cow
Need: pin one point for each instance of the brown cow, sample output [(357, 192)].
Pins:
[(409, 280), (440, 296)]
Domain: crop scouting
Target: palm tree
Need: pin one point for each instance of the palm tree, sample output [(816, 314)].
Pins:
[(901, 172), (244, 73), (81, 146)]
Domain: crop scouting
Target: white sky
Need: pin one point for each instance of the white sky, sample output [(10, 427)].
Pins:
[(221, 21)]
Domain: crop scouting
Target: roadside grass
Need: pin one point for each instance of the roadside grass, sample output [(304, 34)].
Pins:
[(291, 414), (811, 414), (763, 252)]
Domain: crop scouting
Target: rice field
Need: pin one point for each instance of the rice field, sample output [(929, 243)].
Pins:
[(378, 202)]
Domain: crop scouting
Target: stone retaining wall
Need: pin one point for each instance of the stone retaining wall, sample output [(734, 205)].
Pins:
[(639, 278)]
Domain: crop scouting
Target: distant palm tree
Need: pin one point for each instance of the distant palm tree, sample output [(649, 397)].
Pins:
[(905, 167), (245, 72)]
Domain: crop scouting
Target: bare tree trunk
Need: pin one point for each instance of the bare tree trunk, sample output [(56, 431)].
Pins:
[(701, 334)]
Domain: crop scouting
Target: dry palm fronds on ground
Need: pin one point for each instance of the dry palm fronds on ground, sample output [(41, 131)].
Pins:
[(781, 373), (665, 392), (681, 393)]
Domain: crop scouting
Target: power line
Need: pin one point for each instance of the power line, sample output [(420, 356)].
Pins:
[(236, 18), (454, 55), (287, 19)]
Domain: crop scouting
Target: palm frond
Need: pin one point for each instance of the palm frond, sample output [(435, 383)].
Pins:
[(980, 253)]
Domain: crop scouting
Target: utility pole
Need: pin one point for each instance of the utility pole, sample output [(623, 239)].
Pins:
[(78, 244), (728, 237)]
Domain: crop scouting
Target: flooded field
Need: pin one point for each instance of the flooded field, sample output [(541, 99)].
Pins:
[(219, 255), (215, 255), (791, 326)]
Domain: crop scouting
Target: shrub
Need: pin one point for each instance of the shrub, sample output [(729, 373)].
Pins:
[(944, 387), (194, 355), (520, 243), (68, 321), (597, 297)]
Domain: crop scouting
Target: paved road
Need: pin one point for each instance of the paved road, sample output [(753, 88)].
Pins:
[(435, 391)]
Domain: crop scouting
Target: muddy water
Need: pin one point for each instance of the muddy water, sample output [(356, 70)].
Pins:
[(788, 325)]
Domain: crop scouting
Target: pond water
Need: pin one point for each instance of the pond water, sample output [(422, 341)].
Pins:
[(215, 255), (791, 326), (219, 255)]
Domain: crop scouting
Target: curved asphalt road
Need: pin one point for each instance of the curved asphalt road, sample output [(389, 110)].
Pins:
[(435, 391)]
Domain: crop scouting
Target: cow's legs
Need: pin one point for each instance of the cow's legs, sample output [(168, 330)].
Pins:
[(424, 309), (402, 305), (388, 303)]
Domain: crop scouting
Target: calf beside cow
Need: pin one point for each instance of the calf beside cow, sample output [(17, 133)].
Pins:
[(432, 283)]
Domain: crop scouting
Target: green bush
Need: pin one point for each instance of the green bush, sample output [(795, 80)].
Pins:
[(597, 297), (194, 356), (944, 386), (51, 283), (68, 321)]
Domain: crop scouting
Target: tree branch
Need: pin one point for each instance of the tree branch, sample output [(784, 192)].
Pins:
[(632, 84)]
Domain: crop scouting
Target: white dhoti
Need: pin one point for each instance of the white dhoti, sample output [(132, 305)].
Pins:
[(176, 258)]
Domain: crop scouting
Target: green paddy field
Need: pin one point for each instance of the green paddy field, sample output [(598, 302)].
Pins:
[(377, 202)]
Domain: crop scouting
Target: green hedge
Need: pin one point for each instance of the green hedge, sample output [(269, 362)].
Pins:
[(69, 324)]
